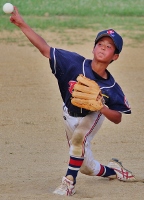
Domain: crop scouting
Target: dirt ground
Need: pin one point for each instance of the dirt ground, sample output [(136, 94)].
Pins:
[(34, 151)]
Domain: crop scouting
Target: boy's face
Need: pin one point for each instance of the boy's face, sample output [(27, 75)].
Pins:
[(104, 51)]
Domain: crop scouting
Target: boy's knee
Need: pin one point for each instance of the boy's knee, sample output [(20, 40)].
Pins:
[(76, 145), (76, 150), (77, 139), (85, 170)]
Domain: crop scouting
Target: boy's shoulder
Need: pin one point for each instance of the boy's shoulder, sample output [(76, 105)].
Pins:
[(65, 53)]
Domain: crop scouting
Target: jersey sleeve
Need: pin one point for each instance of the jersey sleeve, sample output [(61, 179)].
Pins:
[(64, 62), (117, 100)]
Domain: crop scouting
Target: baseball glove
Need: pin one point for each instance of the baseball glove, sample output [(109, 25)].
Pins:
[(87, 94)]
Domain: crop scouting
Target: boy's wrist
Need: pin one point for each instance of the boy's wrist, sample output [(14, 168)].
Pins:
[(103, 108)]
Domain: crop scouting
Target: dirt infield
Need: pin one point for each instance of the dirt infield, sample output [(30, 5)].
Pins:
[(34, 151)]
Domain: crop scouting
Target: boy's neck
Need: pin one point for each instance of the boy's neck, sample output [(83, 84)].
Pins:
[(100, 69)]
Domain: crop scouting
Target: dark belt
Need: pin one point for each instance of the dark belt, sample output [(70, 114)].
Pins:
[(73, 114)]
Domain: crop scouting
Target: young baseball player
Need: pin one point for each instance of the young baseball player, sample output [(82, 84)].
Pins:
[(81, 125)]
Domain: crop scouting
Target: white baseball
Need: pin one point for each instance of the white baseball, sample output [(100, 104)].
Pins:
[(8, 8)]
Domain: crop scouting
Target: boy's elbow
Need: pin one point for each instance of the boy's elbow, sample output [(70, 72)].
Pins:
[(45, 51), (118, 120)]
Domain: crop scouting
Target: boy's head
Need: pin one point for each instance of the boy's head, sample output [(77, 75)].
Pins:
[(117, 39)]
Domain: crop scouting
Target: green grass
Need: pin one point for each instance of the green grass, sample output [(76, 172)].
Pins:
[(80, 7), (58, 15)]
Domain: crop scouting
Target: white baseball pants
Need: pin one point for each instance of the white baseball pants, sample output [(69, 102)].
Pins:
[(80, 132)]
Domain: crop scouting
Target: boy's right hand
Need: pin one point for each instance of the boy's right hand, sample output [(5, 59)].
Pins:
[(16, 18)]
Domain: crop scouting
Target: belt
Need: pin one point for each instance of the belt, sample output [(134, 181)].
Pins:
[(73, 114)]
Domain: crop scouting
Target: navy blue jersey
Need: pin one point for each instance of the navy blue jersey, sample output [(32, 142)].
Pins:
[(66, 66)]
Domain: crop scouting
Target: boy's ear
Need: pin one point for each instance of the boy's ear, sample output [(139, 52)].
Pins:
[(115, 56)]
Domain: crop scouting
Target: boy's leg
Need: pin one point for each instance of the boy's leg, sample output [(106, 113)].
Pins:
[(67, 186), (113, 170), (92, 167), (78, 130), (86, 129)]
